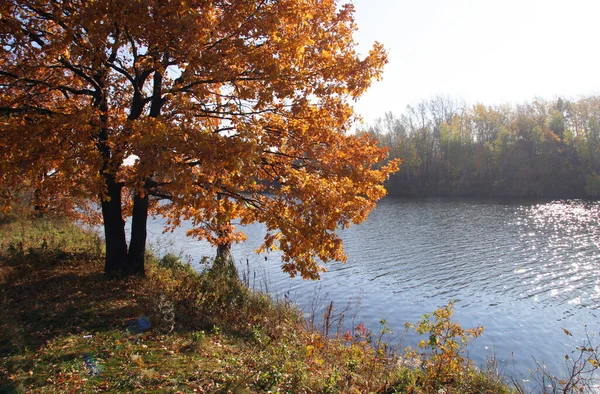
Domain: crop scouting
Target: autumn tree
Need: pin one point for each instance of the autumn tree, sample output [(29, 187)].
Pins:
[(223, 109)]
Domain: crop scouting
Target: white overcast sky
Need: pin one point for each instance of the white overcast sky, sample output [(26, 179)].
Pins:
[(488, 51)]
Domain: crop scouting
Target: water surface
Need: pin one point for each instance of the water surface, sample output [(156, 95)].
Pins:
[(523, 270)]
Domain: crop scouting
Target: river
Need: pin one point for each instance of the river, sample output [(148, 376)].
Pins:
[(523, 270)]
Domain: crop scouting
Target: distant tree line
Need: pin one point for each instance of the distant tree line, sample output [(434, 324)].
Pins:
[(536, 149)]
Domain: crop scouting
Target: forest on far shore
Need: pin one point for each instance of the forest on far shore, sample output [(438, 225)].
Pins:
[(536, 149)]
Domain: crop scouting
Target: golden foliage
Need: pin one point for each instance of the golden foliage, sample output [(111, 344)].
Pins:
[(231, 110)]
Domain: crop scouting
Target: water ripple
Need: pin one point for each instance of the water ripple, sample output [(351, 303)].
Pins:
[(522, 270)]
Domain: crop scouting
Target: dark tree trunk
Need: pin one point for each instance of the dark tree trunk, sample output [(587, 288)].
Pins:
[(137, 245), (114, 229), (118, 259), (114, 225), (135, 264)]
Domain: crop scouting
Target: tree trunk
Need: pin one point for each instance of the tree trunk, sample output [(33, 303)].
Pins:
[(137, 245), (114, 225), (118, 258), (224, 262), (114, 229)]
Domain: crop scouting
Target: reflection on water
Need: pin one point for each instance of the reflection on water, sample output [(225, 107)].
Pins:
[(522, 270)]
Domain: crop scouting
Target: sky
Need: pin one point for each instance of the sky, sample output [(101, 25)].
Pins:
[(479, 51)]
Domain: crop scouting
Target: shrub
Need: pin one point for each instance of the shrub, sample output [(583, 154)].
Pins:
[(440, 364)]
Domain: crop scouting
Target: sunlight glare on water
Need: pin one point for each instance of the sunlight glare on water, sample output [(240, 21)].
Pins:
[(565, 234)]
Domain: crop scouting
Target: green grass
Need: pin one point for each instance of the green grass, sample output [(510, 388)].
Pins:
[(65, 327)]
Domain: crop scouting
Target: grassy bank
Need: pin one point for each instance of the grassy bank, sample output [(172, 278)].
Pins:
[(66, 328)]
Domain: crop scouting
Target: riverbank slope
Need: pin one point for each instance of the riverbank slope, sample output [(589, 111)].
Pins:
[(65, 327)]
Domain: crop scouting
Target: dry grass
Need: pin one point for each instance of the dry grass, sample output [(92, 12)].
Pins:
[(66, 328)]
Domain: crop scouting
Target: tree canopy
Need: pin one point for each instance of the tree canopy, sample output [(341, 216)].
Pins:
[(223, 109)]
